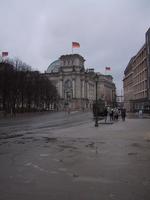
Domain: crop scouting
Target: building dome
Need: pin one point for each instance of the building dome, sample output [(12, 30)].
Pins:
[(53, 67)]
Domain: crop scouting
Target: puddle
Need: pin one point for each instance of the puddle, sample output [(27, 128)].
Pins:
[(92, 144), (94, 179), (10, 136), (67, 146), (135, 144), (20, 142), (48, 139), (36, 167)]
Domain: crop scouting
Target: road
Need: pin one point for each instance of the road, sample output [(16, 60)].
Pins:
[(37, 123), (59, 156)]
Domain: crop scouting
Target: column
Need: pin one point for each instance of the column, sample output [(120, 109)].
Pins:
[(61, 88), (88, 90), (73, 88), (83, 89)]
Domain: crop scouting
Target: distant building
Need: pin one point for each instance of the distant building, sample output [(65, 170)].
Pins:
[(107, 89), (120, 101), (136, 80), (76, 85)]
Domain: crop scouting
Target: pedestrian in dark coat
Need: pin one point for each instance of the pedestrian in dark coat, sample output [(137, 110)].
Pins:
[(123, 114), (105, 114)]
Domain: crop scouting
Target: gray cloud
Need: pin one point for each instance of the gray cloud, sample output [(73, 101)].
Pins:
[(110, 32)]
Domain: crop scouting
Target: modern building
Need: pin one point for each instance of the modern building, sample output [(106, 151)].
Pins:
[(136, 80), (76, 85)]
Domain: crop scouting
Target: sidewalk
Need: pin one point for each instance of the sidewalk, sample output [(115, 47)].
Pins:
[(108, 162), (136, 115)]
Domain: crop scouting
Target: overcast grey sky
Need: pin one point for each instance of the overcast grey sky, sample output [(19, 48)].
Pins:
[(110, 32)]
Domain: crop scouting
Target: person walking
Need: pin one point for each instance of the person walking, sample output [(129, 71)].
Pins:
[(116, 114), (140, 113), (105, 114), (123, 114), (69, 108), (111, 114)]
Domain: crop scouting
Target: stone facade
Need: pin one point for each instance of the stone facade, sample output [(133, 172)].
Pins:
[(76, 85), (137, 79), (148, 62), (128, 86), (107, 89)]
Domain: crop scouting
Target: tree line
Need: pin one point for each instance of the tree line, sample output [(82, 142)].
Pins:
[(24, 90)]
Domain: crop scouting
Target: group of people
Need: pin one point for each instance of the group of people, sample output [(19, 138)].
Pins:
[(114, 113)]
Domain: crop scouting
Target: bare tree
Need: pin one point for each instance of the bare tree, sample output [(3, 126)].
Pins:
[(24, 90)]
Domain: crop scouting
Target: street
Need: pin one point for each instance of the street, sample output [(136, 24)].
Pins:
[(54, 156)]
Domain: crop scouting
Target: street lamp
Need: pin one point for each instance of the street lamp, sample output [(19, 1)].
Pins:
[(96, 116)]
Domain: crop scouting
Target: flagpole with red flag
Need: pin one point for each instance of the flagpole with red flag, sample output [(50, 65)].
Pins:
[(107, 69), (4, 55), (75, 45)]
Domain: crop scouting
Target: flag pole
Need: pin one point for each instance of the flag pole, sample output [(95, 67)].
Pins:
[(4, 55), (75, 45)]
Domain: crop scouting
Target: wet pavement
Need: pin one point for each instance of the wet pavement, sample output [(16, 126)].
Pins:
[(58, 156)]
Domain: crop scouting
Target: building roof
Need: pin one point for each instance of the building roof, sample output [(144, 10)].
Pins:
[(53, 67), (72, 56), (129, 66)]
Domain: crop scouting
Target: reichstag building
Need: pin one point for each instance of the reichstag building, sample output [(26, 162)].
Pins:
[(76, 85)]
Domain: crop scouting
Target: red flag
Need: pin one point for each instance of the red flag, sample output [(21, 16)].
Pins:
[(4, 53), (107, 68), (75, 45)]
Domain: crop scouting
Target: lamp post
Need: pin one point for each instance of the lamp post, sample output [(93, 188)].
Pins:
[(96, 116)]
